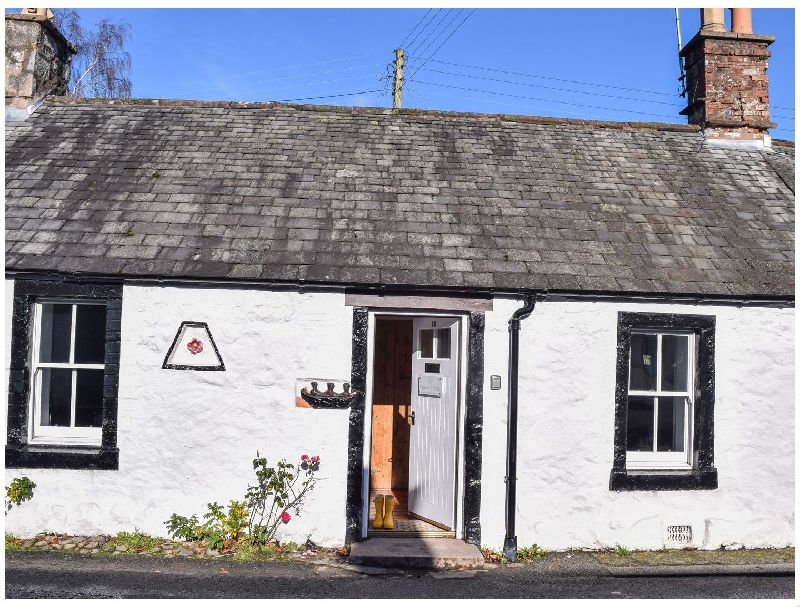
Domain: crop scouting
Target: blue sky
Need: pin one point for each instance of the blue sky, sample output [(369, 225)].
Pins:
[(611, 64)]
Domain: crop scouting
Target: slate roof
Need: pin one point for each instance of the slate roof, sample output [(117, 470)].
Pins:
[(360, 196)]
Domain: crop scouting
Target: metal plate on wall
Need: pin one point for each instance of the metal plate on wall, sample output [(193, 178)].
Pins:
[(429, 386)]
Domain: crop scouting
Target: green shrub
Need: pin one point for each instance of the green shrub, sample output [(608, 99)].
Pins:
[(184, 528), (20, 490), (531, 553), (136, 541), (255, 519)]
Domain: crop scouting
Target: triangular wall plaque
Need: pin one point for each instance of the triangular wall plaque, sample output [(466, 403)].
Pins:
[(193, 348)]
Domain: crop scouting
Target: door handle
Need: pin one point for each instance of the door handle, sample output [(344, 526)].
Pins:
[(412, 416)]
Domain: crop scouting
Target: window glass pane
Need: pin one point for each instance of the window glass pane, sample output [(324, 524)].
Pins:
[(640, 423), (674, 363), (56, 397), (426, 343), (644, 362), (56, 331), (90, 334), (671, 419), (443, 343), (89, 398)]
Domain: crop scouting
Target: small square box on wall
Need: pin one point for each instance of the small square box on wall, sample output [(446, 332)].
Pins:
[(494, 382)]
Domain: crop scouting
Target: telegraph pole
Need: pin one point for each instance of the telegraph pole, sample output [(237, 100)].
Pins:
[(397, 89)]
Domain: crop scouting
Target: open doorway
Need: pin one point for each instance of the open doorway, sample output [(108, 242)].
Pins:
[(415, 393), (391, 411)]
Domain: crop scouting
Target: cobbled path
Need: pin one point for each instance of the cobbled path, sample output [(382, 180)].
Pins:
[(111, 545)]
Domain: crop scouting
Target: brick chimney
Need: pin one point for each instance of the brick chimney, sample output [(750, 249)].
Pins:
[(37, 61), (726, 80)]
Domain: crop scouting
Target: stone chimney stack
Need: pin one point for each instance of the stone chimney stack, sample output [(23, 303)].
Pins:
[(37, 61), (726, 80)]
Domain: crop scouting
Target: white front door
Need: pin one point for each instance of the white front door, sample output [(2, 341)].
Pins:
[(434, 399)]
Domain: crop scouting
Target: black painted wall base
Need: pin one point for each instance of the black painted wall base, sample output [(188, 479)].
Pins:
[(662, 480), (65, 458)]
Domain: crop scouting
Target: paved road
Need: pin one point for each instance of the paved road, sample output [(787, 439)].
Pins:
[(47, 575)]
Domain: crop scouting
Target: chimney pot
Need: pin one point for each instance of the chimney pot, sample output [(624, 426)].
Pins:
[(712, 20), (742, 21), (726, 79), (45, 13)]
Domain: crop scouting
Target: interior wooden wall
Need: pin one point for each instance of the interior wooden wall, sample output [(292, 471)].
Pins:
[(391, 405)]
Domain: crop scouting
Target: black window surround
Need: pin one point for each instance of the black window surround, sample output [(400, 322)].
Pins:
[(19, 454), (703, 474)]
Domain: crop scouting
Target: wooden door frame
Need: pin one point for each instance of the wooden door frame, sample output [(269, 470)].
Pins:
[(470, 418)]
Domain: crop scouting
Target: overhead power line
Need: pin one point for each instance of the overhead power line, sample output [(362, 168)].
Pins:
[(489, 69), (434, 28), (247, 85), (418, 93), (330, 96), (534, 107), (595, 107), (274, 69), (442, 30), (307, 84), (424, 27), (551, 88), (415, 29), (442, 44)]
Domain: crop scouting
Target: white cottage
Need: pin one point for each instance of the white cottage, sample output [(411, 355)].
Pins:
[(554, 331)]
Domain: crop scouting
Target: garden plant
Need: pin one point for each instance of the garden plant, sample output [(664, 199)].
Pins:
[(253, 521)]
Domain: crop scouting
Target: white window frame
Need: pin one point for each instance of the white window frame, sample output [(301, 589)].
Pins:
[(666, 459), (58, 435), (434, 344)]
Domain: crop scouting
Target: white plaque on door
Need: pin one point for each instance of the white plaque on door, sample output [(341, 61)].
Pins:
[(430, 386)]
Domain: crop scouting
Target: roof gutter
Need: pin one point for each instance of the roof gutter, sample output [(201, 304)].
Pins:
[(488, 292), (510, 543)]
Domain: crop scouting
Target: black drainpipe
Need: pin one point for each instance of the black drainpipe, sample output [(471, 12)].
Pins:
[(510, 544)]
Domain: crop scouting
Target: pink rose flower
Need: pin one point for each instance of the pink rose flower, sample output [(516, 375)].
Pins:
[(286, 517), (195, 346)]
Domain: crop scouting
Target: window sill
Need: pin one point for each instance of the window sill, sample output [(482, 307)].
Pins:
[(61, 457), (66, 442), (662, 480)]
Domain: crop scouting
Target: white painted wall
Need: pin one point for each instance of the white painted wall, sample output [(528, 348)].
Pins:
[(566, 432), (187, 438)]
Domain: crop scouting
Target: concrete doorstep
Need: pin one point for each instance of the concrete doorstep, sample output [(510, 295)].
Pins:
[(439, 554)]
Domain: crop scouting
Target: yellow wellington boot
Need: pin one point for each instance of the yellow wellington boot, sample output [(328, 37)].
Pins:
[(378, 522), (388, 523)]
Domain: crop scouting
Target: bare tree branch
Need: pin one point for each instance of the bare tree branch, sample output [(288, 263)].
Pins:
[(102, 66)]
